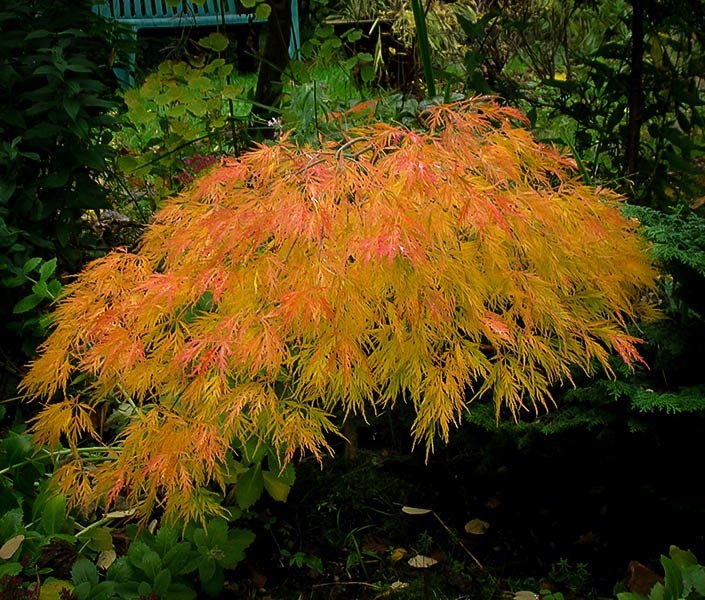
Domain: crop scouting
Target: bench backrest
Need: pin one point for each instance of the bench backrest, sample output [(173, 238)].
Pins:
[(146, 14)]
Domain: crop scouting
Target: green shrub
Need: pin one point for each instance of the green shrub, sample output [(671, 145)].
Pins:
[(56, 115)]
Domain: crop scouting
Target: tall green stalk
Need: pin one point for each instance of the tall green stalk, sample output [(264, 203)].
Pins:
[(424, 46)]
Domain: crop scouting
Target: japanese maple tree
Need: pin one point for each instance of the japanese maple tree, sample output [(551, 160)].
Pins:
[(301, 283)]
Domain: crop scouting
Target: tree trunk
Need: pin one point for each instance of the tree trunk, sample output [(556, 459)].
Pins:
[(273, 62), (636, 90)]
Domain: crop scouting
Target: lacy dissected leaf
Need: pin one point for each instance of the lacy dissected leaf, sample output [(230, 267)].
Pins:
[(297, 283)]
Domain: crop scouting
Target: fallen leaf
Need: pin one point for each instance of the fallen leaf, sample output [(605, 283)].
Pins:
[(410, 510), (476, 526), (11, 546), (119, 514), (106, 558), (526, 595), (422, 562), (398, 554), (398, 585)]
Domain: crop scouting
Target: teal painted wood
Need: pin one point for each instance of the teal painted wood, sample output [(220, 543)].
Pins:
[(155, 14), (149, 14)]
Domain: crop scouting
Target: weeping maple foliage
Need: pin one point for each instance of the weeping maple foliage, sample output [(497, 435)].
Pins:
[(297, 283)]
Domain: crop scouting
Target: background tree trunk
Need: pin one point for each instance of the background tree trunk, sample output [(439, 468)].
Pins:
[(274, 60), (636, 91)]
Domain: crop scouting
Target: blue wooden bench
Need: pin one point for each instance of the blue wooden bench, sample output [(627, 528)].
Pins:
[(155, 14)]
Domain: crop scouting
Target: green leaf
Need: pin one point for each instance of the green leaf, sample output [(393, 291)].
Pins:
[(144, 558), (84, 571), (658, 592), (165, 539), (47, 269), (249, 487), (213, 585), (41, 290), (31, 264), (214, 41), (682, 558), (10, 568), (673, 579), (197, 107), (26, 304), (180, 591), (249, 3), (54, 287), (367, 73), (53, 519), (10, 524), (694, 579), (254, 450), (276, 487), (72, 106), (162, 581), (215, 534), (263, 11), (121, 571), (16, 447), (98, 539), (179, 559), (206, 568), (234, 550), (144, 589)]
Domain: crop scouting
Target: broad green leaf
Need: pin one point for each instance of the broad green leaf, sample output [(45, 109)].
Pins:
[(682, 558), (214, 41), (234, 549), (41, 289), (263, 11), (98, 539), (10, 524), (54, 519), (180, 591), (276, 487), (213, 585), (31, 264), (197, 107), (16, 447), (10, 568), (162, 581), (254, 450), (659, 592), (180, 559), (165, 539), (26, 304), (249, 488), (206, 568), (144, 558), (72, 106), (84, 571), (694, 579), (673, 580), (47, 269)]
